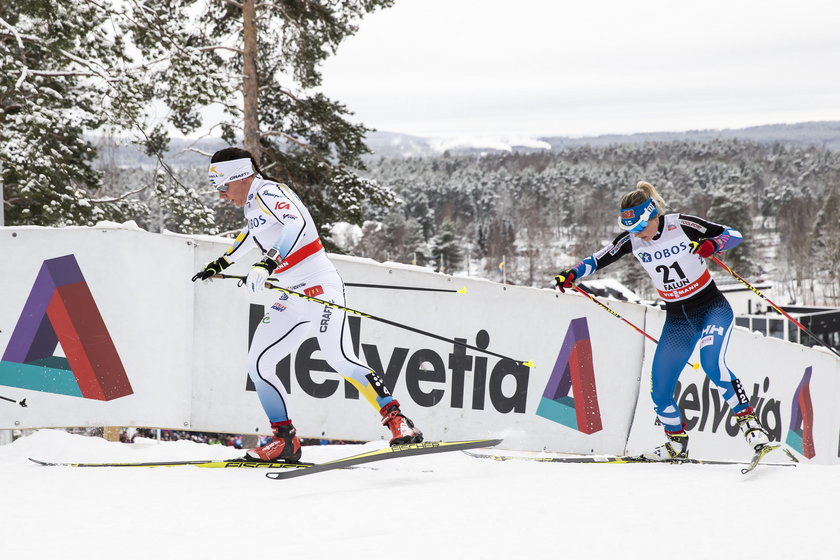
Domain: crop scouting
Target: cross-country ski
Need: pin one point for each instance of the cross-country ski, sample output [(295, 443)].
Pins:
[(209, 464), (300, 468), (631, 459), (394, 452)]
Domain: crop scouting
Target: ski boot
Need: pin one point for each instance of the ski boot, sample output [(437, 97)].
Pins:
[(402, 429), (284, 447), (756, 436), (675, 449)]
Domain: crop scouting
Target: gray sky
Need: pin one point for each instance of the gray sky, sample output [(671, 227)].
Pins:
[(557, 67)]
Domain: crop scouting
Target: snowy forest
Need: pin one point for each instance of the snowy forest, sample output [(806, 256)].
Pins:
[(542, 211)]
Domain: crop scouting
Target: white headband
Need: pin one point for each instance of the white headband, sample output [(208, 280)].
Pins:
[(224, 172)]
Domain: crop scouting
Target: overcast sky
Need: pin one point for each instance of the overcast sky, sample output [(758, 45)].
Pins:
[(579, 68)]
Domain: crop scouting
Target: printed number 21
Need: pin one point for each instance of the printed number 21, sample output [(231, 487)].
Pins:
[(666, 277)]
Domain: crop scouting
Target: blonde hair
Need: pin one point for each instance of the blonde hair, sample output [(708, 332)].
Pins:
[(644, 190)]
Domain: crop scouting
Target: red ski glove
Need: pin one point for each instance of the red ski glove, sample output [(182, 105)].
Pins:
[(565, 279), (704, 248)]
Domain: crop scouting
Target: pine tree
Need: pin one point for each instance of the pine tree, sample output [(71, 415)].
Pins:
[(72, 67), (396, 238), (260, 61), (447, 253), (66, 72), (55, 86), (826, 244)]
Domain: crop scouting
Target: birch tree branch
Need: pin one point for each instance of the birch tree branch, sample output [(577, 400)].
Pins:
[(118, 198), (14, 32)]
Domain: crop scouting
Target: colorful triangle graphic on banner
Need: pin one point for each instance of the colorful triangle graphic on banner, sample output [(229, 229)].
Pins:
[(801, 433), (573, 371), (61, 309)]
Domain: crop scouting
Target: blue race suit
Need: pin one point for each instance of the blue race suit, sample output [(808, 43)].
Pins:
[(695, 309)]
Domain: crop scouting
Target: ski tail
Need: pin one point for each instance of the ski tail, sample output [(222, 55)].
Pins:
[(764, 450)]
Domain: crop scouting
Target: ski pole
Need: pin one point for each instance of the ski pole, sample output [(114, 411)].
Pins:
[(21, 403), (271, 286), (752, 288), (614, 314), (419, 289)]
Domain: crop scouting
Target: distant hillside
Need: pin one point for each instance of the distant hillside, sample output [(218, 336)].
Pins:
[(825, 134), (389, 144), (182, 152)]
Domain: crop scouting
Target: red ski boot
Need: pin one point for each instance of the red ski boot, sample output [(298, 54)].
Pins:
[(402, 429), (284, 447)]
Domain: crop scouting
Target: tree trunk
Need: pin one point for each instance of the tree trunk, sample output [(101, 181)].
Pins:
[(250, 82)]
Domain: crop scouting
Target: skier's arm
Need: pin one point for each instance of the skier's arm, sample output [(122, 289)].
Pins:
[(708, 237), (286, 212), (605, 257), (288, 229), (241, 245)]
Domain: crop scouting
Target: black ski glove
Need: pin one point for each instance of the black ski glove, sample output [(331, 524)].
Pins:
[(212, 268)]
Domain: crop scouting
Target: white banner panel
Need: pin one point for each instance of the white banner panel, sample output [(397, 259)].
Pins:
[(96, 327)]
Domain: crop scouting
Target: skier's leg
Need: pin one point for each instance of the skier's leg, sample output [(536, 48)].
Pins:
[(717, 322), (715, 325), (271, 343), (333, 333), (672, 354)]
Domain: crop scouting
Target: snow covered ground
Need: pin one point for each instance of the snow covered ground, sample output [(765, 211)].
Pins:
[(439, 506)]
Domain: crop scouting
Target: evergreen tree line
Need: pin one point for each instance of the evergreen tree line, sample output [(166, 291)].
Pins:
[(541, 212)]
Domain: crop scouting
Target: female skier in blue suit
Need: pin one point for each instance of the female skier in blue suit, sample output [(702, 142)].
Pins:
[(672, 248)]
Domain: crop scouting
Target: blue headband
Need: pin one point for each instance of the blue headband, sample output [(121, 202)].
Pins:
[(636, 219)]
